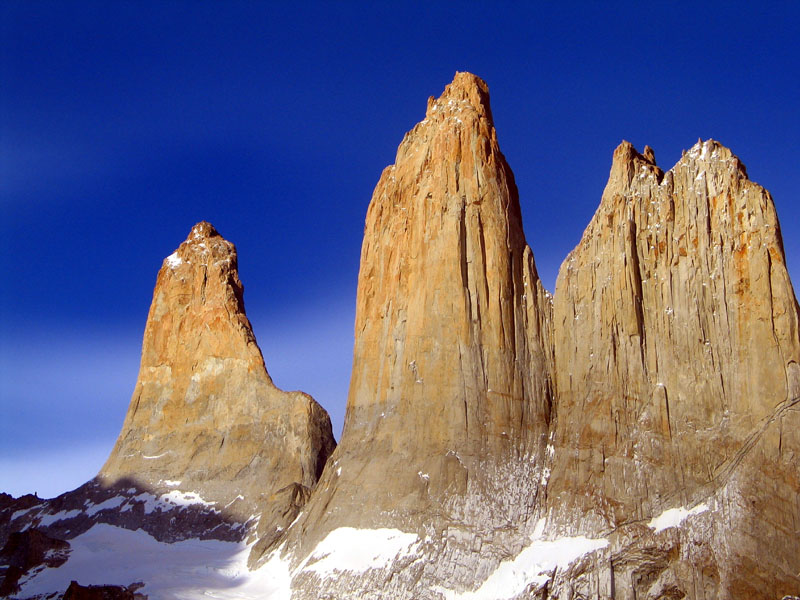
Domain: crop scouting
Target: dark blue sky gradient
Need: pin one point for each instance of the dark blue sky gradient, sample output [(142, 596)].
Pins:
[(123, 124)]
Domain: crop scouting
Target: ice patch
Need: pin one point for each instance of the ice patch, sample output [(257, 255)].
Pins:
[(545, 476), (674, 517), (19, 513), (146, 457), (183, 499), (296, 519), (239, 497), (531, 566), (188, 570), (171, 483), (358, 550)]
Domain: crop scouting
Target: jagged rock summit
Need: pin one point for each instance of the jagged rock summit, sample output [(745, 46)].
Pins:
[(677, 372), (636, 436)]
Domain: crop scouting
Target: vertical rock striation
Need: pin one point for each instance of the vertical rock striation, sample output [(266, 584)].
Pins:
[(677, 351), (450, 394), (205, 415)]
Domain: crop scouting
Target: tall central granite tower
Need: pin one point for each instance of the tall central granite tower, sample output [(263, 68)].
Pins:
[(451, 389)]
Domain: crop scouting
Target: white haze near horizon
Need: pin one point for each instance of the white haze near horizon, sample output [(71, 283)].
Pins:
[(64, 393)]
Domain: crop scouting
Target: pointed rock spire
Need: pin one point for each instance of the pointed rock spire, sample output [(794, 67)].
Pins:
[(449, 293), (205, 415), (450, 391), (466, 92)]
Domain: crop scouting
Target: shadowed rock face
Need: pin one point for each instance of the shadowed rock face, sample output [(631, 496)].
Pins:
[(205, 416), (26, 550), (676, 341), (75, 591)]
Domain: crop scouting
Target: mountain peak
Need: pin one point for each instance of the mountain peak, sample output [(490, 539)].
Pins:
[(205, 411), (628, 163), (203, 229), (467, 94), (451, 371), (711, 152), (204, 245)]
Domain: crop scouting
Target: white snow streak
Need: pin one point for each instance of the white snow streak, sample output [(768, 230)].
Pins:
[(531, 566), (173, 260), (59, 516), (169, 501), (110, 503), (674, 517), (19, 513)]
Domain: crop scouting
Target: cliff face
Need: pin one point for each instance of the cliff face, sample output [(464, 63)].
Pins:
[(452, 323), (676, 341), (450, 394)]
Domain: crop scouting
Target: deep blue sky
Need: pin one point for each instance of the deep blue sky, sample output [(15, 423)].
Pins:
[(123, 124)]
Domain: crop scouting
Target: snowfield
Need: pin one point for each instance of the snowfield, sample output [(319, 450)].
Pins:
[(188, 570), (201, 569), (674, 517), (358, 550)]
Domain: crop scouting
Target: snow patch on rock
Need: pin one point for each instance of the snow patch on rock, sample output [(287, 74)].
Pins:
[(169, 501), (106, 504), (674, 517), (59, 516), (533, 565), (173, 260), (358, 550)]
